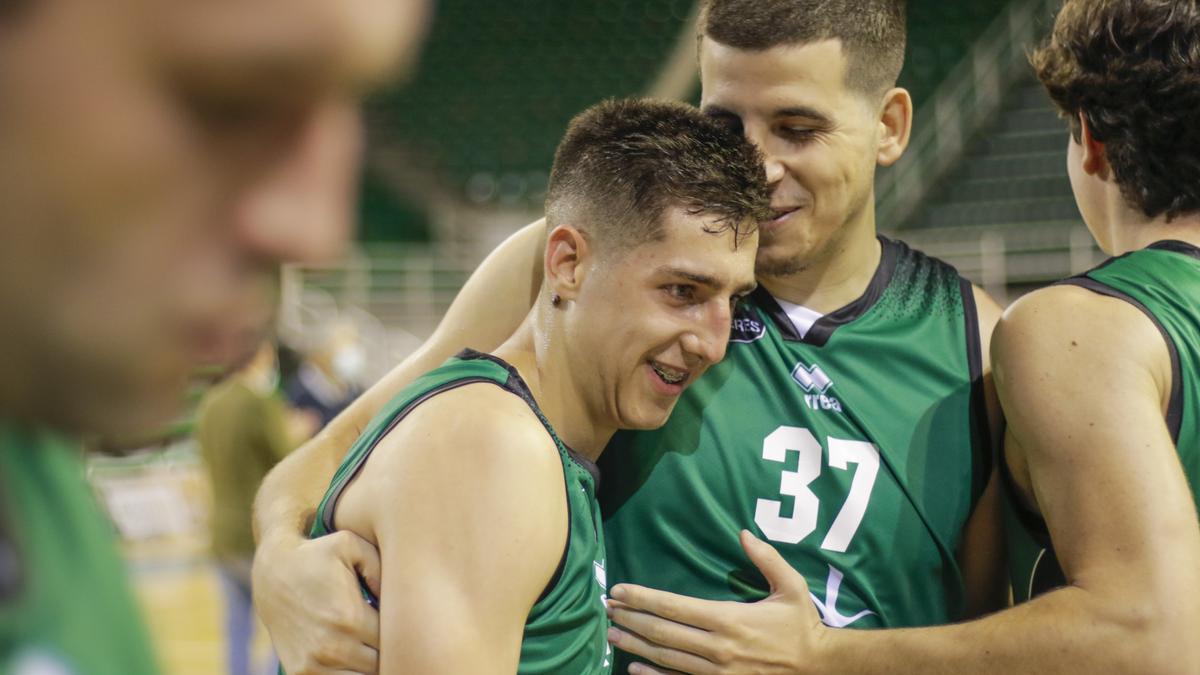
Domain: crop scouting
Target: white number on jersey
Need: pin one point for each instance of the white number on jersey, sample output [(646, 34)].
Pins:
[(842, 453)]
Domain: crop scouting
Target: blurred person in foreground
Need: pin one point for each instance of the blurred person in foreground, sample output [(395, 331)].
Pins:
[(478, 481), (244, 427), (851, 423), (158, 159)]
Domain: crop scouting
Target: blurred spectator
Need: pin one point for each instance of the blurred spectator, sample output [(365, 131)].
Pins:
[(244, 428), (329, 376)]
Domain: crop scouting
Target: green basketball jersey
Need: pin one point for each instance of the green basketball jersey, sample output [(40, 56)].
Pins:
[(1163, 281), (566, 631), (65, 602), (857, 449)]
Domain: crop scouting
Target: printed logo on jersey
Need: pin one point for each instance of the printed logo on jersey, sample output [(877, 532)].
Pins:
[(814, 380), (602, 579), (745, 328)]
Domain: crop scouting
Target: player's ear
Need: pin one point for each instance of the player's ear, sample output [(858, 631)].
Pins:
[(895, 125), (568, 256), (1095, 160)]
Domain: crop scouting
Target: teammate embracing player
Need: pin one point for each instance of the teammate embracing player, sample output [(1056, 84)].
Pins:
[(848, 424), (488, 564)]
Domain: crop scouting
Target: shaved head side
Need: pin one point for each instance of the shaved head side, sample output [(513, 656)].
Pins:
[(872, 32)]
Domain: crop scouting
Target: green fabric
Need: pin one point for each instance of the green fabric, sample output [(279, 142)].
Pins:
[(898, 388), (1164, 279), (66, 602), (242, 434), (566, 629)]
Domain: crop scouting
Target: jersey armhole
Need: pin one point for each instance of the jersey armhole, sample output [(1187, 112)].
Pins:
[(1174, 416), (982, 451)]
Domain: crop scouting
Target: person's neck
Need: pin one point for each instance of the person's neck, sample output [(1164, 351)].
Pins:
[(837, 275), (1132, 231), (537, 351)]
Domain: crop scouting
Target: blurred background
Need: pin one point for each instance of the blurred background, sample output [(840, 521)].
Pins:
[(458, 159)]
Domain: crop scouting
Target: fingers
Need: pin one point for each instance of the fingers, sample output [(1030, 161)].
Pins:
[(782, 577), (363, 557), (663, 656), (703, 614), (662, 631)]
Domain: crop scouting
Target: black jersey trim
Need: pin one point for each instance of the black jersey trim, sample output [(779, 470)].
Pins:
[(1032, 520), (983, 451), (820, 332), (1177, 246), (517, 385)]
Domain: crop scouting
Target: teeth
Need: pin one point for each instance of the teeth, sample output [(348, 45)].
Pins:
[(669, 375)]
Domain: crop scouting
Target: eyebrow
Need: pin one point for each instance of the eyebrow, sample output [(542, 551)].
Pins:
[(790, 111), (705, 280)]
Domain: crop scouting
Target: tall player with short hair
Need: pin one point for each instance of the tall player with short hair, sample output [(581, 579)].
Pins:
[(1100, 380), (488, 564), (851, 408)]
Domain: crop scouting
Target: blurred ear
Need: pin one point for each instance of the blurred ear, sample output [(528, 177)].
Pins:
[(568, 256), (895, 125), (1095, 161)]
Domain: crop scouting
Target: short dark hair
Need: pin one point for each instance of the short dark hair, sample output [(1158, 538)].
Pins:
[(1131, 68), (873, 32), (623, 163)]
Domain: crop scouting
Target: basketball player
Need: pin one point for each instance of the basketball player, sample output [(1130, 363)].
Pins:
[(848, 424), (1100, 379), (459, 482), (157, 160)]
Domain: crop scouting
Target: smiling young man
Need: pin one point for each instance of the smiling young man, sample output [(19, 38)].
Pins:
[(848, 423), (158, 160), (488, 565)]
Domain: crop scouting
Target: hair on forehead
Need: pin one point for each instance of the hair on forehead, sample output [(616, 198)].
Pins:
[(623, 163), (872, 32)]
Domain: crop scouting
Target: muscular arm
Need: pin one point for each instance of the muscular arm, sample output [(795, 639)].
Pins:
[(1083, 379), (319, 637), (470, 521)]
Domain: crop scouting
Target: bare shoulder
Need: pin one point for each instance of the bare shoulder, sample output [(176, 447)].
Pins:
[(1068, 320), (478, 446), (1063, 354)]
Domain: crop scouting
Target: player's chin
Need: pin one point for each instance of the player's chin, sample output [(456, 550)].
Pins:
[(650, 412)]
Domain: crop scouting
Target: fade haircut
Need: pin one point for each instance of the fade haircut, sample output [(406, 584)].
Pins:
[(872, 32), (623, 163), (1131, 68)]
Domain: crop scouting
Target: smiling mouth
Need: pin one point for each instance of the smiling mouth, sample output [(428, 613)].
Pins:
[(669, 375), (782, 214)]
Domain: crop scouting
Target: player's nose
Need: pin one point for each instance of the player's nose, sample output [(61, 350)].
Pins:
[(301, 207)]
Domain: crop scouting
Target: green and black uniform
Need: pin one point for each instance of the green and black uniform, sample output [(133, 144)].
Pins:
[(566, 629), (65, 602), (1163, 281), (858, 449)]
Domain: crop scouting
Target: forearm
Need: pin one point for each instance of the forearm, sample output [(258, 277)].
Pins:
[(1068, 631)]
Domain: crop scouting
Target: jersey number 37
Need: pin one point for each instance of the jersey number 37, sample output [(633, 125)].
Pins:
[(768, 513)]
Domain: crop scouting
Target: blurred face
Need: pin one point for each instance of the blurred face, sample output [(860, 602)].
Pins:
[(818, 137), (649, 321), (158, 160)]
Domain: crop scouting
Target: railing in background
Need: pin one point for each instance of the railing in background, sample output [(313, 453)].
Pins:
[(970, 96)]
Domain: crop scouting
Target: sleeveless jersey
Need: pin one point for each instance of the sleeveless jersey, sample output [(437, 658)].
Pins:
[(65, 602), (1163, 281), (857, 450), (566, 631)]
